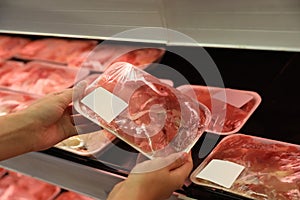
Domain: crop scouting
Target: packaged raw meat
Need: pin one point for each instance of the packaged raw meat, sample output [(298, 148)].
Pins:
[(11, 45), (2, 171), (271, 168), (230, 108), (55, 49), (11, 101), (72, 196), (87, 144), (38, 78), (148, 114), (104, 55), (17, 186)]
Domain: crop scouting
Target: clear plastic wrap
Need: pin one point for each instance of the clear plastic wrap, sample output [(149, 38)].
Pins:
[(226, 118), (158, 119), (87, 144), (272, 168)]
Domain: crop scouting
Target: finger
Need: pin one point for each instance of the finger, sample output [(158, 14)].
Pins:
[(79, 89), (180, 174), (180, 160), (68, 127), (65, 96), (115, 190), (87, 128)]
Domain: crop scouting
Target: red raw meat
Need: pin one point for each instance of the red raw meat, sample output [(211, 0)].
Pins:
[(16, 186), (105, 55), (2, 172), (234, 117), (157, 115), (72, 196), (10, 46), (272, 168), (55, 50), (13, 101), (141, 57), (37, 77)]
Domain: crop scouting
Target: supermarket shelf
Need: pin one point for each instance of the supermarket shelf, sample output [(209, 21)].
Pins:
[(258, 24), (66, 174)]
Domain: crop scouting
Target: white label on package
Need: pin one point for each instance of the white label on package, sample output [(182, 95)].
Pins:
[(234, 98), (221, 172), (107, 105)]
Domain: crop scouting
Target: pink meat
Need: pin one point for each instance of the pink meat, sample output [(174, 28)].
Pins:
[(141, 57), (272, 169), (17, 186), (106, 55), (72, 196), (10, 46), (55, 50), (234, 116), (154, 115), (37, 77), (12, 101)]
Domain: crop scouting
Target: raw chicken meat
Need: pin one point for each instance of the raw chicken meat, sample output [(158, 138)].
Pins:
[(14, 101), (10, 46), (272, 168), (158, 116), (72, 196), (36, 77), (55, 50)]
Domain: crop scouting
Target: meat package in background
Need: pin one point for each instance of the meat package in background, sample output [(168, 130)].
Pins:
[(272, 168), (11, 101), (55, 49), (105, 55), (72, 196), (2, 171), (226, 118), (11, 45), (38, 78), (156, 118), (17, 186)]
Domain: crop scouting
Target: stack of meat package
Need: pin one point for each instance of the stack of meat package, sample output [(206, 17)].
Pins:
[(16, 186)]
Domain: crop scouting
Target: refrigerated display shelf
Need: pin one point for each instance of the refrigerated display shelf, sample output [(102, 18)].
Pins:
[(87, 180), (257, 24)]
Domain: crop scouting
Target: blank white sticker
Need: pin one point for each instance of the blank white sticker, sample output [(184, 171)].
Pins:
[(107, 105), (234, 98), (221, 172)]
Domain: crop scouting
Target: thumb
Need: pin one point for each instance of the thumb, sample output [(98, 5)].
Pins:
[(79, 90)]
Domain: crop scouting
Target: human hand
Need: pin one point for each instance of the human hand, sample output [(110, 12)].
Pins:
[(143, 183), (52, 120)]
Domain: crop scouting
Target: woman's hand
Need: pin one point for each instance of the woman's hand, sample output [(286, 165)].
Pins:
[(145, 184), (52, 120), (40, 126)]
